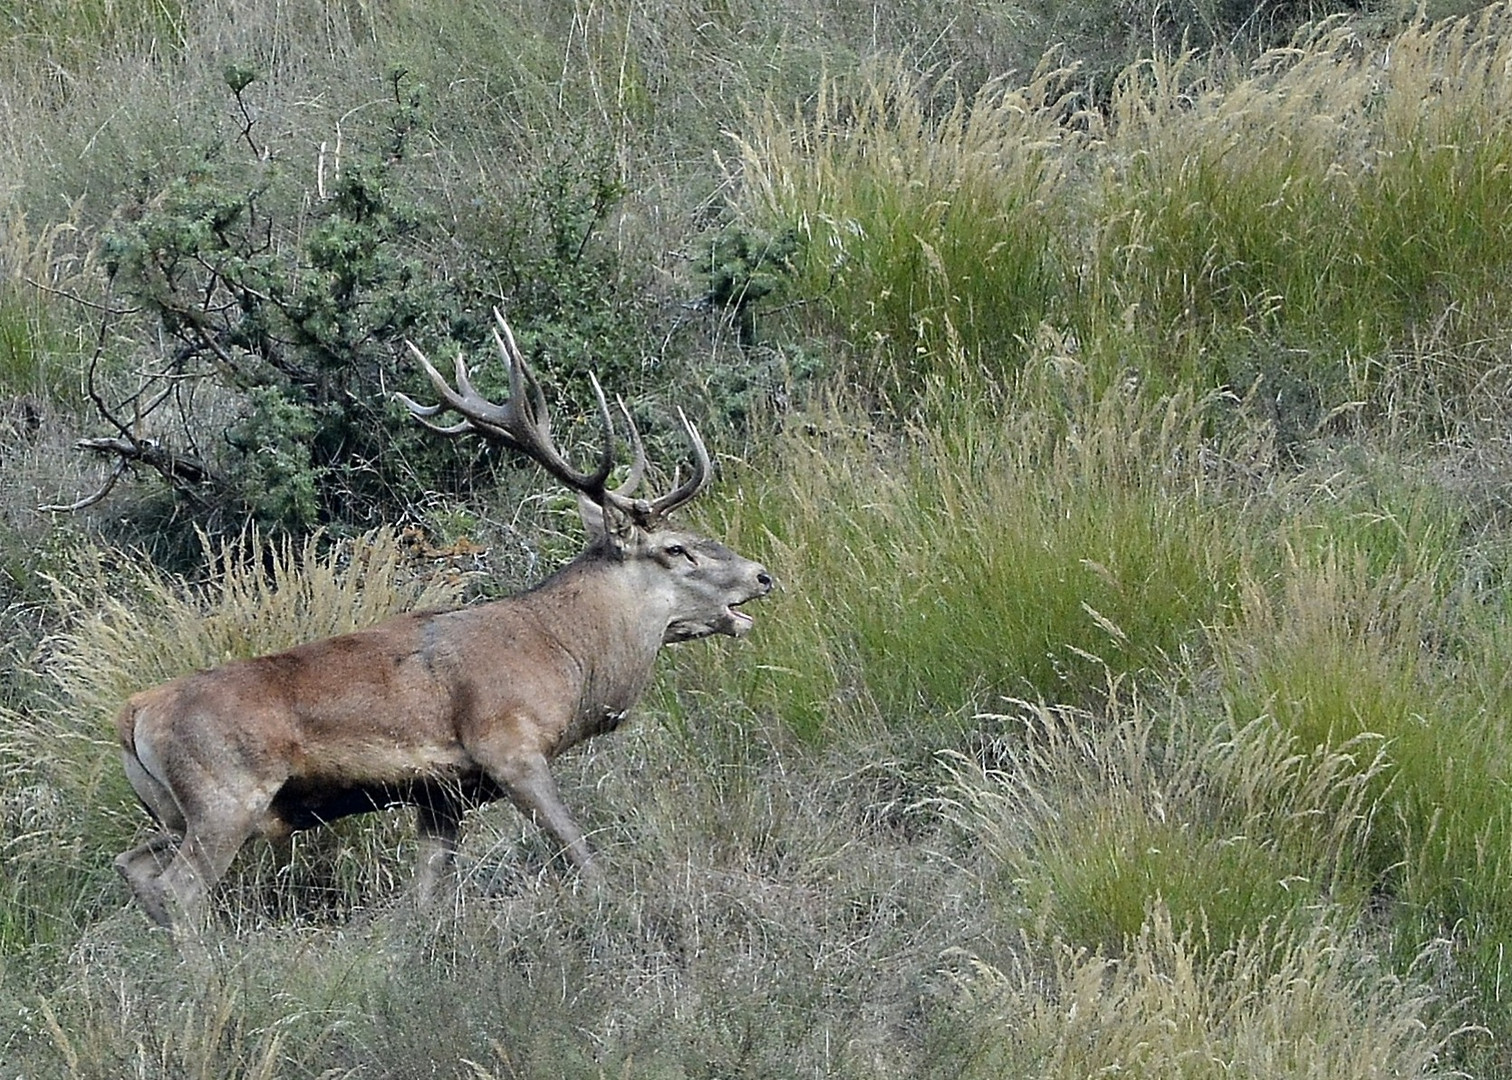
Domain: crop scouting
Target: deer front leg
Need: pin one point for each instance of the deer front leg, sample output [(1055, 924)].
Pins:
[(527, 779)]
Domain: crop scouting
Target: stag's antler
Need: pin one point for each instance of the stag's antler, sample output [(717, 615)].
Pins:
[(524, 424)]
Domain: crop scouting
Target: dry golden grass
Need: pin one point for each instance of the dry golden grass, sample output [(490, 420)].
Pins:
[(132, 626), (1279, 1004)]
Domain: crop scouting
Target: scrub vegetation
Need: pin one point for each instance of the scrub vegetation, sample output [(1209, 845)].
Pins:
[(1120, 393)]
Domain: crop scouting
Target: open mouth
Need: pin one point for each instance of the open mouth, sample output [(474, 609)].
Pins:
[(741, 621), (737, 622)]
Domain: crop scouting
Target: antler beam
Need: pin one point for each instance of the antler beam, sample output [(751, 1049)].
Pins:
[(523, 423)]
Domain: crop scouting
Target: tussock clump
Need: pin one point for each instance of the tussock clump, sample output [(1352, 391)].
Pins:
[(133, 626), (989, 554), (1198, 895), (1277, 1004), (1334, 202), (924, 229), (1234, 828)]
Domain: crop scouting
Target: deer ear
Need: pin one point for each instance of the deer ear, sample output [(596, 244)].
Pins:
[(603, 524)]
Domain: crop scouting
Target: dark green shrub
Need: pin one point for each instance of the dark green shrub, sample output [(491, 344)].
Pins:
[(744, 267), (284, 313)]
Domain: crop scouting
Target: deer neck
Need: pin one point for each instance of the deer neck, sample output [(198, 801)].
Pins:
[(611, 629)]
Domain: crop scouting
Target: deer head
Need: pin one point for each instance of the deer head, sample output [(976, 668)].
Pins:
[(702, 579)]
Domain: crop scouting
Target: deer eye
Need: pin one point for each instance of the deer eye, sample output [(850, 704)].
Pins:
[(676, 551)]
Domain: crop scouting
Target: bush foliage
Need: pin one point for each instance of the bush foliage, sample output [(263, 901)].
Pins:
[(284, 313)]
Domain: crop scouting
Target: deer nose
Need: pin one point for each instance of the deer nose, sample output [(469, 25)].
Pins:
[(764, 579)]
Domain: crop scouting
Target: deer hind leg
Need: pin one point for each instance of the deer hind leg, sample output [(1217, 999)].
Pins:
[(144, 864), (220, 815), (201, 860), (438, 821)]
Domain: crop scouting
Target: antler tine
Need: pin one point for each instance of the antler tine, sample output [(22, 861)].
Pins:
[(703, 472), (525, 391), (449, 398), (529, 419), (423, 413), (479, 414), (606, 422), (638, 448), (437, 380), (467, 394)]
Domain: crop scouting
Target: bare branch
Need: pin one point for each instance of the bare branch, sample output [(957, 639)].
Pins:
[(81, 301), (177, 469), (93, 389), (88, 500)]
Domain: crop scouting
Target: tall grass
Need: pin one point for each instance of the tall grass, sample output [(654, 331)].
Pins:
[(1334, 745), (1139, 434), (66, 31), (933, 223), (1234, 829), (1334, 201), (1347, 648), (769, 906), (1273, 1005), (1298, 222), (39, 342), (928, 572)]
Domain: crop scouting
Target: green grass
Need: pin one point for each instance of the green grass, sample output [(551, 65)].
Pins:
[(934, 570), (66, 31), (1348, 647), (1235, 829), (1329, 204), (39, 339), (1161, 1011), (1292, 225), (928, 229)]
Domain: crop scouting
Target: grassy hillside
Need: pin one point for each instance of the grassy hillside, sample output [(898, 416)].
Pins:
[(1126, 426)]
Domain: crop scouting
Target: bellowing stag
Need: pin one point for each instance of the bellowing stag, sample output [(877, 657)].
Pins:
[(438, 710)]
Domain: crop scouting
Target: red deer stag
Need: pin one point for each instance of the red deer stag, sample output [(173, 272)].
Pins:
[(438, 710)]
